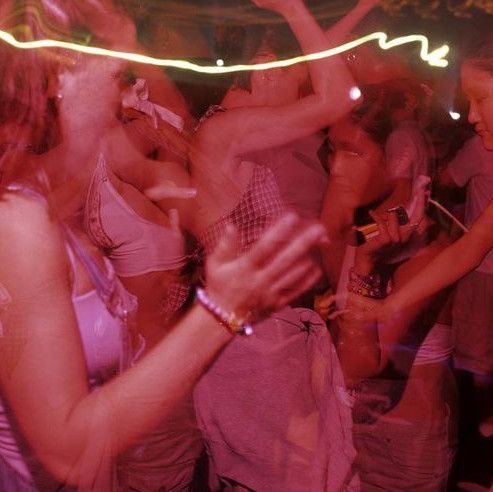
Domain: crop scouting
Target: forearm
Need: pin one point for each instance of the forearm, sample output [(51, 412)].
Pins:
[(358, 344), (132, 168), (444, 270), (358, 349), (329, 75), (338, 33), (338, 221), (136, 401)]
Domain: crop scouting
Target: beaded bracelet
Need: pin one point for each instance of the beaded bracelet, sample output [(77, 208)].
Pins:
[(365, 285), (372, 280), (229, 320)]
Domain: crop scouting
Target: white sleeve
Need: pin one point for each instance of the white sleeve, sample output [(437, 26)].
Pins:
[(467, 162), (401, 155)]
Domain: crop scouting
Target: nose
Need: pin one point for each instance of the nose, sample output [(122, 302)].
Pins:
[(473, 116)]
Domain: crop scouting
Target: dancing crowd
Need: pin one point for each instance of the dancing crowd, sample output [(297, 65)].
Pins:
[(277, 280)]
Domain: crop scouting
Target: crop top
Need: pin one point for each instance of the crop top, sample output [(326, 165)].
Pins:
[(134, 245)]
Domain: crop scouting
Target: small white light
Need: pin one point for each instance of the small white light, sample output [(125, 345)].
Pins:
[(220, 62), (454, 115), (355, 93)]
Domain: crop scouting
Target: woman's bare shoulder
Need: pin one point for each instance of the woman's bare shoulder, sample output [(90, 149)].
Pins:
[(28, 229), (23, 211)]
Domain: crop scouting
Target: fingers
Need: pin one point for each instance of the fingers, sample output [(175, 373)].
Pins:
[(363, 308), (174, 219), (337, 314), (323, 304), (393, 227), (169, 190), (294, 249), (308, 281), (326, 306), (292, 276), (383, 236), (390, 231), (275, 239), (227, 248), (416, 207), (325, 301)]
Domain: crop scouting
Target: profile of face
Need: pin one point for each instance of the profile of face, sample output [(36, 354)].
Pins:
[(477, 85), (281, 85), (89, 95), (356, 161), (372, 66)]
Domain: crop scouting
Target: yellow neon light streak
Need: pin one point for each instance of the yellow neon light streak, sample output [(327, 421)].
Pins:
[(436, 58)]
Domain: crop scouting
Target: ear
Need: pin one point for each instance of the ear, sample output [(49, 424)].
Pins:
[(411, 103), (257, 80), (261, 78)]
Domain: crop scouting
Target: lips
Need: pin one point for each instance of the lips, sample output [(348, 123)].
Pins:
[(486, 137)]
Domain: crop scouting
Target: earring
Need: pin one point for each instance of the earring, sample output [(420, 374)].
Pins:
[(59, 96), (351, 56)]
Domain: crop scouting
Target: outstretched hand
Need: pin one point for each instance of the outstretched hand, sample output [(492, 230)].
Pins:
[(276, 270)]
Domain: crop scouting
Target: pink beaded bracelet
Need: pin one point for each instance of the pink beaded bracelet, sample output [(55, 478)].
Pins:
[(230, 320)]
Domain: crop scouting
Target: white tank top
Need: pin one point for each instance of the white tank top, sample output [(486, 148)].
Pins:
[(101, 315)]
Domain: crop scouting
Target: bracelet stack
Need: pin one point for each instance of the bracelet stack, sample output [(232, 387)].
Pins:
[(366, 285), (235, 325)]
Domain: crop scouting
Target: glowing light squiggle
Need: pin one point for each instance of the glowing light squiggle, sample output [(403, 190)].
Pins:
[(435, 58)]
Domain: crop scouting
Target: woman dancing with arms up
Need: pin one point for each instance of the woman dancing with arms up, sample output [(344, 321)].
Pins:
[(293, 425)]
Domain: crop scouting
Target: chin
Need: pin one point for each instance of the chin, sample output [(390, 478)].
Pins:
[(487, 141)]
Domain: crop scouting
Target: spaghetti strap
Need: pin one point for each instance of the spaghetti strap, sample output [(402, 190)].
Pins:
[(119, 302)]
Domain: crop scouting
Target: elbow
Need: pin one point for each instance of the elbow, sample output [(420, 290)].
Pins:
[(360, 365), (478, 248), (78, 472), (76, 466), (64, 469), (341, 101)]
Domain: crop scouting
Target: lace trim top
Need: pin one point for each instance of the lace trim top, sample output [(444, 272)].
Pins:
[(134, 245), (259, 207)]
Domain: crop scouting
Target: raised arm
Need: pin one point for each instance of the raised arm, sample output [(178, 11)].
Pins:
[(449, 266), (366, 347), (445, 269), (340, 31), (243, 130)]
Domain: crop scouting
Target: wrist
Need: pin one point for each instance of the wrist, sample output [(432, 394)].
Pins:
[(363, 7), (392, 305), (370, 285), (293, 11), (203, 322), (364, 264), (235, 324)]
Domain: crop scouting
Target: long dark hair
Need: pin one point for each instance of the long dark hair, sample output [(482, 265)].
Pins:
[(28, 118), (480, 52)]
